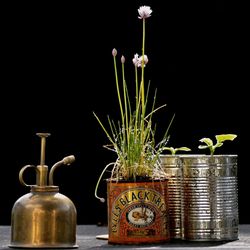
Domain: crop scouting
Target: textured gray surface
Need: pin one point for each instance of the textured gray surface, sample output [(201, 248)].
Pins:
[(86, 239)]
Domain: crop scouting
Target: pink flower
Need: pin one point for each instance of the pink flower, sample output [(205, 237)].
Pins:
[(145, 61), (144, 12), (137, 61)]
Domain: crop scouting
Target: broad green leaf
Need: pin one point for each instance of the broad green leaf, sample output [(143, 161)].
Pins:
[(208, 141), (225, 137)]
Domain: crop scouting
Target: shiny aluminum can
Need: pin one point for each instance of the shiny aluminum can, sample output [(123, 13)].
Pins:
[(172, 167), (210, 198)]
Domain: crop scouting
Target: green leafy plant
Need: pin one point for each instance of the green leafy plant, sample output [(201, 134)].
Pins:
[(175, 150), (219, 142), (132, 138)]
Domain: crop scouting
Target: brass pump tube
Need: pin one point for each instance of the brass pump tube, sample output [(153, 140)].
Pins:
[(41, 178), (43, 144)]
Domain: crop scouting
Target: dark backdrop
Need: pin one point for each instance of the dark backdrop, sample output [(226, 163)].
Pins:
[(57, 69)]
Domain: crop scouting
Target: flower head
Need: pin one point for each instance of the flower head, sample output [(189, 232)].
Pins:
[(144, 12), (137, 61), (144, 59)]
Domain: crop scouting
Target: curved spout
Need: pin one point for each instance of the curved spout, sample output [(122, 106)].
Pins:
[(65, 161)]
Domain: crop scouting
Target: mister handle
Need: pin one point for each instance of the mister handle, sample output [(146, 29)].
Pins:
[(21, 174), (65, 161)]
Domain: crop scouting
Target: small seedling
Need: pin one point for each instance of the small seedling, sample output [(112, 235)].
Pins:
[(174, 150), (219, 142)]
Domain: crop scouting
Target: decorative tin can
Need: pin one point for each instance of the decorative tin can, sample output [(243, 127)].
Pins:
[(210, 198), (138, 212), (173, 169)]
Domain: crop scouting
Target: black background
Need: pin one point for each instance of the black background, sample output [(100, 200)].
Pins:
[(57, 69)]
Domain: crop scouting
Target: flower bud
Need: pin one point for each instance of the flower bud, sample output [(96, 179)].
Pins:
[(122, 59), (114, 52)]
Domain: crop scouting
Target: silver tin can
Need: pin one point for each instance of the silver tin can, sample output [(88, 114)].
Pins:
[(172, 167), (209, 198)]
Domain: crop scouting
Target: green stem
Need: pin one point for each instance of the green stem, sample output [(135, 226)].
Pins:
[(142, 67), (142, 81), (118, 91), (126, 127), (137, 101), (106, 132), (212, 149), (136, 86)]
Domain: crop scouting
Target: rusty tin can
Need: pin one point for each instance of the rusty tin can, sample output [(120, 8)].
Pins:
[(138, 212)]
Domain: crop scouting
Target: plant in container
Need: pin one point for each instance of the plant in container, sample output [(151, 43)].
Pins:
[(210, 194), (137, 186), (172, 166)]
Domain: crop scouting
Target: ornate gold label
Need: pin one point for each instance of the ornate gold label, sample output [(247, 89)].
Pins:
[(137, 212)]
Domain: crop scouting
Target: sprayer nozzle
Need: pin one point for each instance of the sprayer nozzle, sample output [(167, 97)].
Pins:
[(68, 160)]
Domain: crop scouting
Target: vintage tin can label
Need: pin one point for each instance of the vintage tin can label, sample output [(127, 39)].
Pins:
[(138, 212)]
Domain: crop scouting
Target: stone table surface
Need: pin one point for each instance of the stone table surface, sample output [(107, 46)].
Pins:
[(87, 239)]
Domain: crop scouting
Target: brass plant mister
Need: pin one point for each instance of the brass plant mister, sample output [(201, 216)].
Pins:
[(43, 218)]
